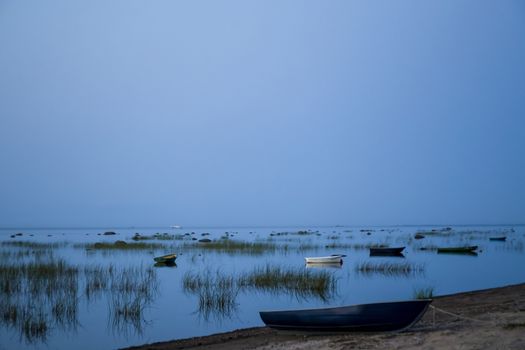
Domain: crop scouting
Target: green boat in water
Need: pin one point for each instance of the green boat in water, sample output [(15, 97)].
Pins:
[(166, 259), (458, 250)]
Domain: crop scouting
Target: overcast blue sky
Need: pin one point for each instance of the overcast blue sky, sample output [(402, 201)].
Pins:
[(261, 112)]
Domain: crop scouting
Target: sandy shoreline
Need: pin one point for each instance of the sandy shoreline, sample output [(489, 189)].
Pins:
[(486, 319)]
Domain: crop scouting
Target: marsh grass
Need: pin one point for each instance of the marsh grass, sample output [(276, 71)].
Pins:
[(217, 292), (400, 269), (230, 246), (299, 282), (42, 295), (38, 295), (355, 246), (158, 236), (120, 245), (424, 293), (33, 245)]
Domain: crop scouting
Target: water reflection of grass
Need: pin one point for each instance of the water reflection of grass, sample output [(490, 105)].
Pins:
[(43, 294), (218, 292), (389, 268)]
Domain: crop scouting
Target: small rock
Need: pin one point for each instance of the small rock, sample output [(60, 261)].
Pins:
[(205, 240), (109, 233)]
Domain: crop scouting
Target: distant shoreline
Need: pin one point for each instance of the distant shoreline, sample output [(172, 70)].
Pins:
[(247, 227)]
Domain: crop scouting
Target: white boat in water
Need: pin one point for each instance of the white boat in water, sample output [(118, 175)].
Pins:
[(332, 259), (176, 226)]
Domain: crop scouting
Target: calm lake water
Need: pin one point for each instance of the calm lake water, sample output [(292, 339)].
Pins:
[(64, 313)]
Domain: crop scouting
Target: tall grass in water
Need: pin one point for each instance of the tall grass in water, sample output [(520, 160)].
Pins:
[(301, 283), (43, 294), (38, 295), (129, 291), (217, 292), (424, 293), (400, 269), (230, 246), (119, 245), (33, 245)]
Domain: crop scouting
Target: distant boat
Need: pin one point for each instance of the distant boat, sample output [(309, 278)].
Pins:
[(501, 239), (458, 250), (375, 317), (176, 226), (386, 251), (332, 259), (166, 259)]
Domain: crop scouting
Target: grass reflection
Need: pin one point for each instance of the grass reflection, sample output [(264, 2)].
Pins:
[(43, 294), (218, 292), (399, 269)]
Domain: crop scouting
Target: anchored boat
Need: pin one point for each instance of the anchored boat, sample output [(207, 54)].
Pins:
[(375, 317), (166, 259), (386, 251), (332, 259)]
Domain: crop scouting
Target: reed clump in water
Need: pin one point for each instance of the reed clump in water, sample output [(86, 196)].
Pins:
[(120, 245), (230, 246), (157, 236), (33, 245), (217, 292), (389, 268), (301, 283), (37, 295), (424, 293)]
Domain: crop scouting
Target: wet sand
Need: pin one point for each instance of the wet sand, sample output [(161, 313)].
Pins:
[(486, 319)]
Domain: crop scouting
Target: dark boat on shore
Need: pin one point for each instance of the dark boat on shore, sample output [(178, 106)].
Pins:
[(386, 251), (500, 239), (458, 250), (166, 259), (391, 316)]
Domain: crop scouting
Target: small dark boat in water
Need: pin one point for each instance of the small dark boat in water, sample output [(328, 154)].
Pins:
[(458, 250), (500, 239), (386, 251), (169, 258), (375, 317)]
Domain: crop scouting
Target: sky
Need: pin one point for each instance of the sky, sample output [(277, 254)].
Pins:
[(223, 113)]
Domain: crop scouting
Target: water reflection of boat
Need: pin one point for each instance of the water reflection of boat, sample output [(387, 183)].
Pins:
[(365, 317), (165, 264), (458, 250), (336, 265), (386, 251), (332, 259), (169, 258), (501, 239)]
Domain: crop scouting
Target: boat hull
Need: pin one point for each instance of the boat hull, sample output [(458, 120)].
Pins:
[(333, 259), (357, 318), (166, 259), (458, 250), (386, 251)]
